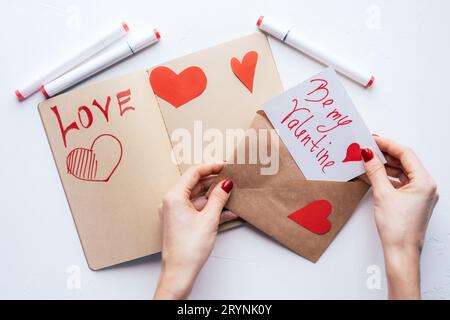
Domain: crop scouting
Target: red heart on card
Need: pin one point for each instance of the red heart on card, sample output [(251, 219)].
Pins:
[(178, 89), (99, 162), (353, 153), (313, 216), (245, 71)]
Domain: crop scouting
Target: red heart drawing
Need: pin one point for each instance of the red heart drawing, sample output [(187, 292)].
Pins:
[(245, 71), (353, 153), (99, 162), (178, 89), (313, 216)]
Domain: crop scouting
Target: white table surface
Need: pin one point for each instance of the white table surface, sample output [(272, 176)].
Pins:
[(406, 45)]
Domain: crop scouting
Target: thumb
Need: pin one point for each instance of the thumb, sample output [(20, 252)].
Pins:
[(218, 197), (375, 171)]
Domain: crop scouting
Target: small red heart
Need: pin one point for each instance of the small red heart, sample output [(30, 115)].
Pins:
[(178, 89), (99, 162), (353, 153), (245, 71), (313, 216)]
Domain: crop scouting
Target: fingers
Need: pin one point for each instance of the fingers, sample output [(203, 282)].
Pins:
[(397, 173), (409, 161), (218, 198), (392, 162), (199, 203), (227, 216), (191, 177), (376, 172), (396, 183), (202, 186)]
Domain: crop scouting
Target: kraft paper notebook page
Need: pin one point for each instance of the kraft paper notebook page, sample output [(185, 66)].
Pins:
[(114, 164), (228, 83), (111, 141), (303, 215)]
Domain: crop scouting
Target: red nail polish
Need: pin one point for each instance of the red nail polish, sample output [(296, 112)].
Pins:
[(227, 185), (367, 154)]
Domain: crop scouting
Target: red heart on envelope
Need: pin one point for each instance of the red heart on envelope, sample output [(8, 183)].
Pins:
[(245, 71), (178, 89), (313, 216), (99, 162), (353, 153)]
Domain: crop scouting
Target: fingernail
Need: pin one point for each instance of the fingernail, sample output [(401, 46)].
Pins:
[(374, 134), (227, 185), (367, 154)]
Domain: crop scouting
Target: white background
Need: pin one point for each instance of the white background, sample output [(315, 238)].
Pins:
[(406, 45)]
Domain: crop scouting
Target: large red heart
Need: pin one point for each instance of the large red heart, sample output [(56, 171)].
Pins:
[(313, 216), (353, 153), (99, 162), (178, 89), (245, 71)]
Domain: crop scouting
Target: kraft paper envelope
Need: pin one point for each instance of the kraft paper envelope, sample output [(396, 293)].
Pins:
[(266, 201), (112, 145)]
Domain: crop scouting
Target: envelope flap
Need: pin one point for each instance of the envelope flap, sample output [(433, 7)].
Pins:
[(249, 174)]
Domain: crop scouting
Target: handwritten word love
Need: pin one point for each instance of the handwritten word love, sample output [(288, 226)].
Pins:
[(86, 116)]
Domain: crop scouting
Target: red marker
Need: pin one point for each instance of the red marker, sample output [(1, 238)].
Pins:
[(76, 59), (301, 43), (100, 63)]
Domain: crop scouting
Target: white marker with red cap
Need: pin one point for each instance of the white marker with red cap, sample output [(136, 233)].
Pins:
[(76, 59), (99, 63), (311, 49)]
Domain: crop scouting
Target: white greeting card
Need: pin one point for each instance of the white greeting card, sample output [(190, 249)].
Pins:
[(320, 126)]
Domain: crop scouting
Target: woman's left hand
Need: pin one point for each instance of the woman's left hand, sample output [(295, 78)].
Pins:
[(190, 222)]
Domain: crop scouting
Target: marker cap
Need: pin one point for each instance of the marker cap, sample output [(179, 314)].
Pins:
[(258, 23), (157, 34), (143, 42), (277, 30), (370, 83), (44, 92), (19, 95)]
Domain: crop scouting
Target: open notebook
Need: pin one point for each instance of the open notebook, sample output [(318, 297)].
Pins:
[(112, 143)]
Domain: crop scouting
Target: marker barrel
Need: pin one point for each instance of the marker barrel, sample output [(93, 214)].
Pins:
[(98, 64), (74, 60), (316, 52)]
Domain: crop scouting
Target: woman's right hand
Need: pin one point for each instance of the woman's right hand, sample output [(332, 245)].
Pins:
[(404, 196)]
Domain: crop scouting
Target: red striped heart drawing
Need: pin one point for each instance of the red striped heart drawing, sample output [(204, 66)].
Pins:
[(99, 162)]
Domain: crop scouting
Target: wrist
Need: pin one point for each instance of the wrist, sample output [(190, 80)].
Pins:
[(403, 272), (401, 254), (173, 284)]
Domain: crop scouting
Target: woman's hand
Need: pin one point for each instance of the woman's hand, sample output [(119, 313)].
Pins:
[(404, 198), (190, 222)]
